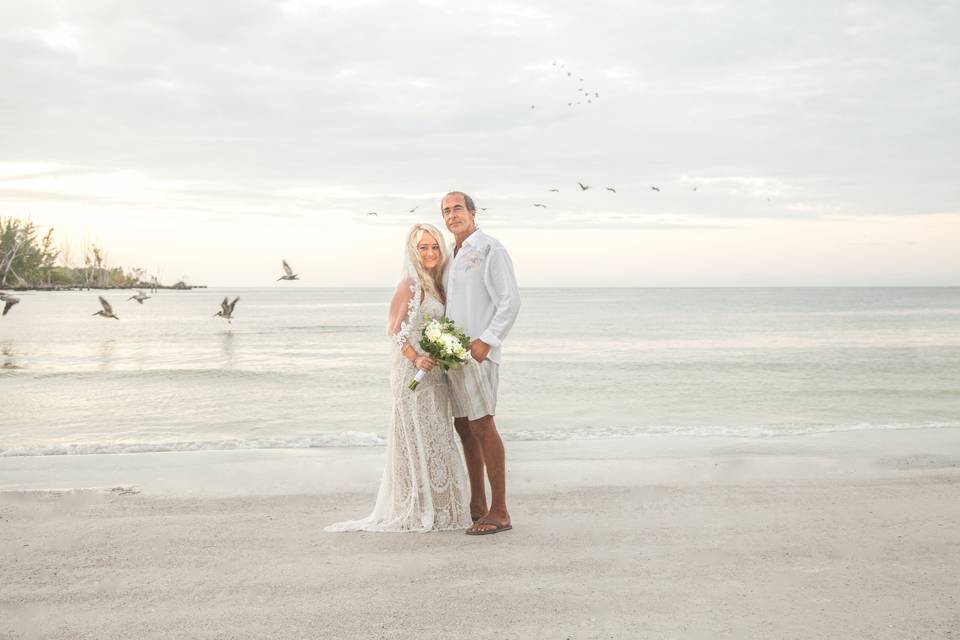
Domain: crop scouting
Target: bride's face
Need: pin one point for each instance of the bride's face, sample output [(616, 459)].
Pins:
[(429, 250)]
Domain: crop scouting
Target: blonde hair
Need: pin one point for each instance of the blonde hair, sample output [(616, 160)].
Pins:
[(432, 279)]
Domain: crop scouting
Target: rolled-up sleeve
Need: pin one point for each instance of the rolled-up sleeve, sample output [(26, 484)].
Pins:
[(501, 284)]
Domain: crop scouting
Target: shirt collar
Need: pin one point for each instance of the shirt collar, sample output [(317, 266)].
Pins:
[(473, 237)]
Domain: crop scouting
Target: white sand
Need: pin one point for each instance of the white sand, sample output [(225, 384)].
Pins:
[(835, 536)]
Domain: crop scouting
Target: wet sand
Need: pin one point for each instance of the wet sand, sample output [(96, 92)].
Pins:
[(832, 536)]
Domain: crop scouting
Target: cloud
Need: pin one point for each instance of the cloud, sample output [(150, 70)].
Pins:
[(308, 109)]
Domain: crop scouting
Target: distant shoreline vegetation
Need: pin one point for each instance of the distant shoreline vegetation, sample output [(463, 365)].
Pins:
[(29, 260)]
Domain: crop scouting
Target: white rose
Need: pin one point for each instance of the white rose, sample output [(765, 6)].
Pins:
[(448, 342)]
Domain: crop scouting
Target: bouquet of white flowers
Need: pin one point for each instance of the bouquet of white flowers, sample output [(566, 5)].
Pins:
[(443, 341)]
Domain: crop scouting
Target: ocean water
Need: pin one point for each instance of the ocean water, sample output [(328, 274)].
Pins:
[(308, 367)]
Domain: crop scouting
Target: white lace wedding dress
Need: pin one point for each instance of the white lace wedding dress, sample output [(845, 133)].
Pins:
[(424, 485)]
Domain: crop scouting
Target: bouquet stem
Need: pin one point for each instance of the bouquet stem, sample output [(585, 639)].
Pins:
[(416, 379)]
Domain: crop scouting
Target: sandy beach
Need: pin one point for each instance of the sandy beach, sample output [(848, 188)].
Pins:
[(846, 535)]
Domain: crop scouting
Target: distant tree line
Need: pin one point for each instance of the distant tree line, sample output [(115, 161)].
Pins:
[(31, 260)]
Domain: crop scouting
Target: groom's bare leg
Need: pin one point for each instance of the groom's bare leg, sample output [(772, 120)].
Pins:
[(473, 456), (485, 430)]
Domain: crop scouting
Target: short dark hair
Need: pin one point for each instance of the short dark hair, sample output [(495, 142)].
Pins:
[(467, 200)]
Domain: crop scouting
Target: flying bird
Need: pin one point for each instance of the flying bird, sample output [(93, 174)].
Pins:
[(140, 297), (107, 311), (694, 189), (533, 106), (8, 301), (414, 209), (657, 189), (226, 309), (583, 187), (537, 204), (611, 189), (483, 208), (288, 273), (555, 190), (371, 213)]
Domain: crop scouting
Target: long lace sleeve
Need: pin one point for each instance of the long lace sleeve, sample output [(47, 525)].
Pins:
[(403, 309)]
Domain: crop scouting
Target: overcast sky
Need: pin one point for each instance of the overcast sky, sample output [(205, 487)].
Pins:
[(793, 143)]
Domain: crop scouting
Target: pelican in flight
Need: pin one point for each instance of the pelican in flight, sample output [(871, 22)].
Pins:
[(555, 190), (226, 309), (8, 301), (537, 204), (288, 273), (657, 189), (140, 297), (107, 311), (583, 187), (611, 189)]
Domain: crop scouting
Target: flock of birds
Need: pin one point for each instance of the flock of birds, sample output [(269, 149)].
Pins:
[(583, 187), (583, 95), (106, 310)]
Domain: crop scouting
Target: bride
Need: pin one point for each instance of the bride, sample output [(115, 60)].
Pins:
[(424, 487)]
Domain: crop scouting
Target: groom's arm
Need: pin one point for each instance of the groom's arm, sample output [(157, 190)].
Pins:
[(502, 286)]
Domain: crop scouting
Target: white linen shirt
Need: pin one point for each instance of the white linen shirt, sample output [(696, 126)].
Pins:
[(482, 294)]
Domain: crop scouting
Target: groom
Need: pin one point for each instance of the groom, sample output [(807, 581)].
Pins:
[(483, 300)]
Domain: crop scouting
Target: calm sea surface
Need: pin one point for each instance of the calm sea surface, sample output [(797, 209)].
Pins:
[(302, 367)]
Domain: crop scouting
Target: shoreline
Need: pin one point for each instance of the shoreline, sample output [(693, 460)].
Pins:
[(120, 288), (568, 464), (381, 287), (353, 439)]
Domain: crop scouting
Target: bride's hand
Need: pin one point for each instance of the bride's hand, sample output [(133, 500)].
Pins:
[(425, 363)]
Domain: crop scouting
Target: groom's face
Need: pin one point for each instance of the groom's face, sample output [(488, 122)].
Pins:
[(455, 214)]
